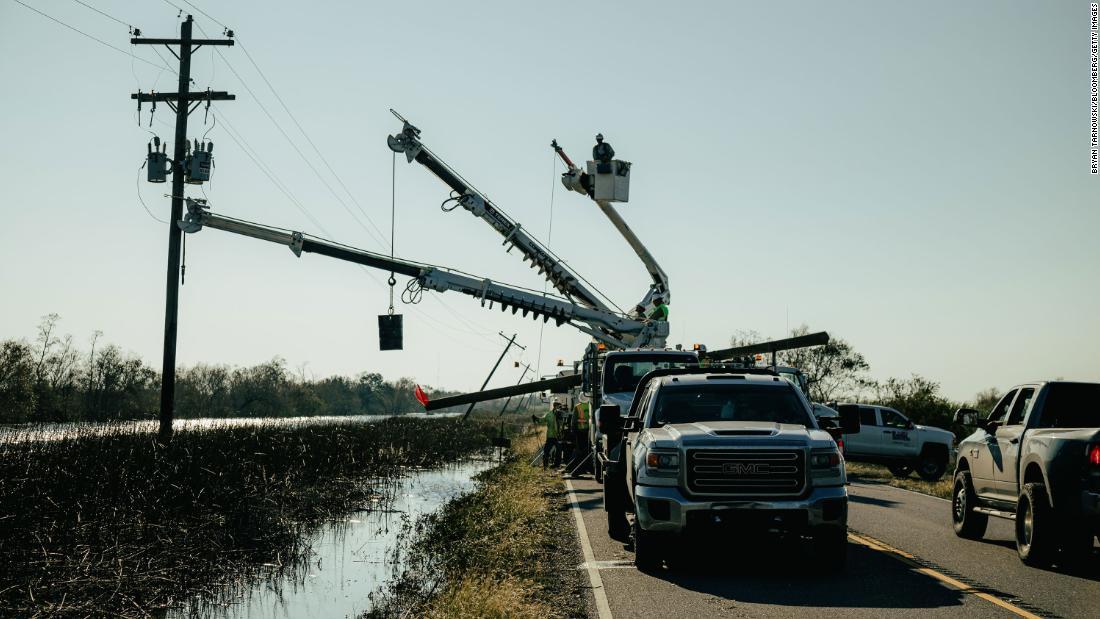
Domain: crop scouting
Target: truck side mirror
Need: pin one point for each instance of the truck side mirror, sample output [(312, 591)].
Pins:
[(849, 419), (609, 418), (966, 417)]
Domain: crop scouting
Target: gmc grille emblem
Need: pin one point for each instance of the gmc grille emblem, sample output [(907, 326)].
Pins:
[(741, 468)]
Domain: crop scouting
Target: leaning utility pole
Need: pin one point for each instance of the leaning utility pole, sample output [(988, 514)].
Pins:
[(181, 103), (526, 369), (496, 365)]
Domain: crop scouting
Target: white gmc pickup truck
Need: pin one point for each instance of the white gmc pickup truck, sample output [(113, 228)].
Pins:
[(724, 456)]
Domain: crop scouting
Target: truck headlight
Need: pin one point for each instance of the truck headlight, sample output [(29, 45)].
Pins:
[(662, 462), (827, 467)]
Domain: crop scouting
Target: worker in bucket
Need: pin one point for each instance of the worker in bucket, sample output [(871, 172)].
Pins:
[(553, 421), (660, 310)]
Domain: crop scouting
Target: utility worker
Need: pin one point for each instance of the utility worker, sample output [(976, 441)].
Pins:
[(553, 421), (660, 310), (581, 446)]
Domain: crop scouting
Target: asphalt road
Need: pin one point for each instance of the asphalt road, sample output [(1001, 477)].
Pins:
[(903, 560)]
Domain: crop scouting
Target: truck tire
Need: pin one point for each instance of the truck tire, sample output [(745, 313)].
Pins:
[(932, 464), (900, 471), (831, 550), (617, 526), (648, 549), (1036, 538), (967, 523)]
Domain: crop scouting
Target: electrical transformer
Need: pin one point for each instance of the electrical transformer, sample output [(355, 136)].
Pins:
[(199, 162), (156, 162)]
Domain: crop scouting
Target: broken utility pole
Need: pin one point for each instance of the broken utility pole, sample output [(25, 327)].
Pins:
[(493, 371), (182, 103)]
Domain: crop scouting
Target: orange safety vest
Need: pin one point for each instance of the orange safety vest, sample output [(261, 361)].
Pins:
[(580, 416)]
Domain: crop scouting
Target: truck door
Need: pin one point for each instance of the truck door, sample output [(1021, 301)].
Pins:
[(897, 439), (865, 442), (1006, 472), (630, 439), (984, 453)]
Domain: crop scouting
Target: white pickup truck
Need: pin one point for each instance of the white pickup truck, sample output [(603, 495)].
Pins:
[(888, 437)]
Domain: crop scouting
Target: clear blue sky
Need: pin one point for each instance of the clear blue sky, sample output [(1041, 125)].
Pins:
[(911, 177)]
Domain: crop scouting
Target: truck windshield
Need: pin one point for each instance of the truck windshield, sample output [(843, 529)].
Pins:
[(623, 373), (717, 402), (1071, 405)]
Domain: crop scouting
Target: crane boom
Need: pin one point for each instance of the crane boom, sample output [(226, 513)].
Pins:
[(609, 327), (549, 266)]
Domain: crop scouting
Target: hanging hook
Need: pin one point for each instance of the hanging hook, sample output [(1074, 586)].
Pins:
[(392, 281)]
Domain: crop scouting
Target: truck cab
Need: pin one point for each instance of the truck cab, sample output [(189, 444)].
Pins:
[(1035, 459), (613, 377), (890, 438)]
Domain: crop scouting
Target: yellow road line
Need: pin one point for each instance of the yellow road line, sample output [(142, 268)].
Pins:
[(910, 560)]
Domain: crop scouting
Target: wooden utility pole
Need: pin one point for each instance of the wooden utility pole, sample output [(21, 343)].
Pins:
[(526, 369), (493, 371), (182, 103)]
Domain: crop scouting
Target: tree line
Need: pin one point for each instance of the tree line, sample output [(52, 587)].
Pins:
[(52, 379), (837, 372)]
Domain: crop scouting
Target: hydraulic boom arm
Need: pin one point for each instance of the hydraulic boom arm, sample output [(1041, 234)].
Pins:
[(608, 327), (550, 266)]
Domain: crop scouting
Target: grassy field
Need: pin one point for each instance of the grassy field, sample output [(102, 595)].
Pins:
[(118, 524), (875, 473), (508, 549)]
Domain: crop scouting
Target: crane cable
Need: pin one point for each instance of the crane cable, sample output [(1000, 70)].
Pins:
[(549, 238), (393, 221)]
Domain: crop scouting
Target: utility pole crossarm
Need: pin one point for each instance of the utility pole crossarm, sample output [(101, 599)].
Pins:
[(195, 42), (173, 97)]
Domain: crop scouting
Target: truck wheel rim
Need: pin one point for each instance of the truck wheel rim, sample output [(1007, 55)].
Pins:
[(1028, 524), (960, 503)]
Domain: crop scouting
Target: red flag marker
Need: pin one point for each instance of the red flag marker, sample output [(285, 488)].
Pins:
[(421, 396)]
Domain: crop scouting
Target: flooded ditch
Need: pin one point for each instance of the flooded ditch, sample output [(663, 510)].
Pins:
[(350, 558)]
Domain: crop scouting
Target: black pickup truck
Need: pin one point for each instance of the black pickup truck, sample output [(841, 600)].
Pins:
[(1034, 459)]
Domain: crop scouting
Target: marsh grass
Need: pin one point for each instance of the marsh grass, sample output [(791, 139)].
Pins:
[(115, 523), (508, 549), (876, 473)]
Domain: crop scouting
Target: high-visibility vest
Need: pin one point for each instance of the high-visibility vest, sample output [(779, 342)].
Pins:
[(580, 416), (553, 423), (659, 313)]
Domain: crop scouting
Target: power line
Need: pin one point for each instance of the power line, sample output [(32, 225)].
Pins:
[(254, 156), (142, 200), (306, 136), (263, 108), (111, 17), (204, 13), (256, 159), (97, 40)]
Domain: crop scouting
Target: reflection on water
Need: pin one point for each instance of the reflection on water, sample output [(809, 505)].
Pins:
[(59, 431), (351, 557)]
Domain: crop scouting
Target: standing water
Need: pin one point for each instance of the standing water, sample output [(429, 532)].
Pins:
[(351, 558)]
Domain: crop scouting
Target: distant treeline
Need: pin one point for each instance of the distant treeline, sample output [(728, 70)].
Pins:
[(837, 372), (53, 380)]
